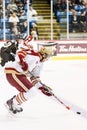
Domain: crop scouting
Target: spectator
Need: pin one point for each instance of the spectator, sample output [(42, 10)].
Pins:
[(1, 8), (12, 6), (22, 15), (71, 10), (63, 4), (75, 22), (71, 5), (19, 5), (85, 1), (34, 32), (84, 19), (14, 20), (25, 1), (23, 27), (32, 15), (15, 29), (55, 6), (79, 2), (85, 11), (83, 24)]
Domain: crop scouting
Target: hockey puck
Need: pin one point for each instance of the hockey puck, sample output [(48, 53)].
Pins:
[(78, 113)]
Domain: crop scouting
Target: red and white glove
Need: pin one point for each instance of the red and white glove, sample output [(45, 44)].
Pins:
[(28, 39), (46, 91)]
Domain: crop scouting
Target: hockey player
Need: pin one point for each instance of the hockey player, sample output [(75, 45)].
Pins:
[(8, 51), (17, 73)]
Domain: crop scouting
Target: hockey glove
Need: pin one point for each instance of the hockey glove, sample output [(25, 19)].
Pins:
[(46, 90)]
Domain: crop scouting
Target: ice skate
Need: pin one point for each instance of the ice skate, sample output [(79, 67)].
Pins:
[(12, 107)]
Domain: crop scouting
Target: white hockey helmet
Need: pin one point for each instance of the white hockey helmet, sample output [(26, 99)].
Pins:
[(45, 52)]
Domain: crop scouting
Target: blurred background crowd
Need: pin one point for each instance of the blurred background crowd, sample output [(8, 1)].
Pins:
[(21, 16)]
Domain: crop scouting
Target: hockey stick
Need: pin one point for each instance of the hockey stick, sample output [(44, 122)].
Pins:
[(68, 105), (74, 108), (52, 93)]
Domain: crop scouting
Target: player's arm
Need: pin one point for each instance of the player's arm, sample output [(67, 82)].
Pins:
[(35, 78), (22, 62)]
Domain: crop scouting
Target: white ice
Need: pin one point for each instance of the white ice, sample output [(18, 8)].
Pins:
[(68, 79)]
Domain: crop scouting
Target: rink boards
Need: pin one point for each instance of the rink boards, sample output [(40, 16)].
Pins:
[(70, 57), (69, 49), (65, 49)]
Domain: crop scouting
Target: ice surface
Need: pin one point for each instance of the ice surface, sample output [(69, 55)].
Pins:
[(68, 79)]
